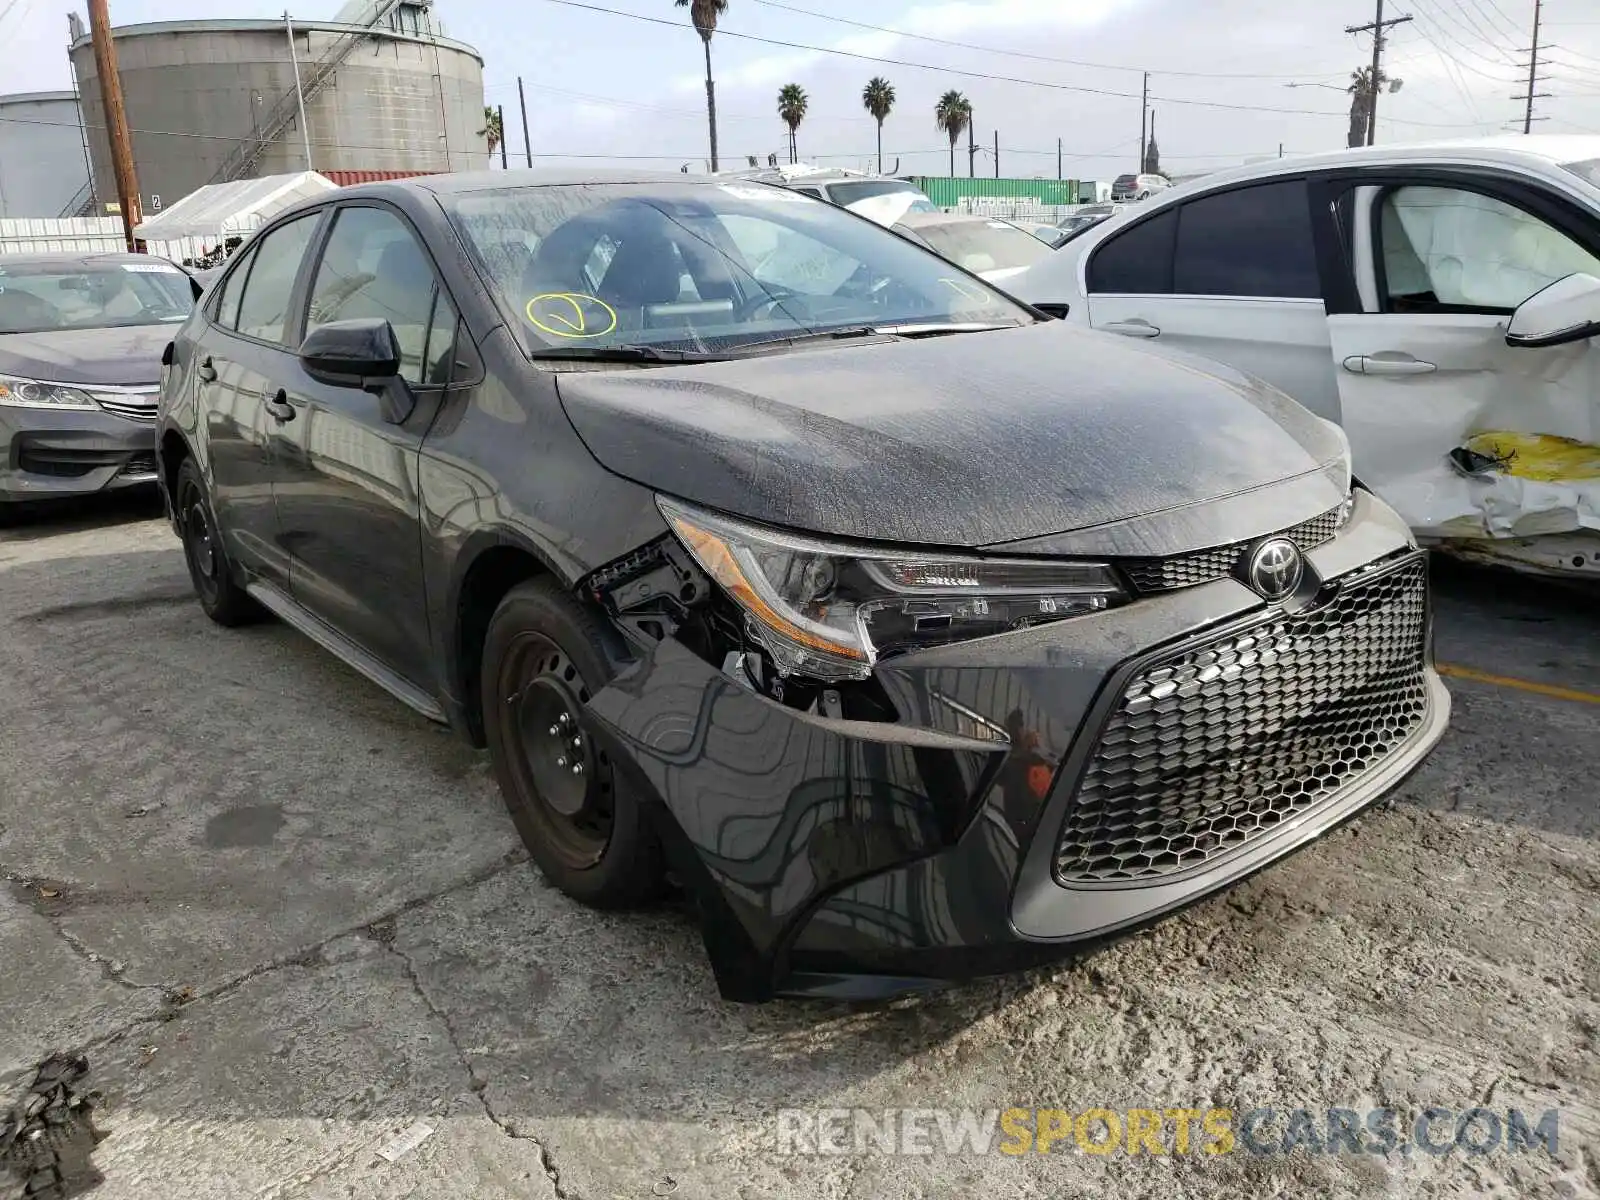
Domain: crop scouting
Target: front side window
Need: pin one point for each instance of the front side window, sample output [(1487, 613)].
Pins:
[(264, 303), (231, 288), (1252, 241), (374, 268), (1447, 249), (704, 267), (44, 296)]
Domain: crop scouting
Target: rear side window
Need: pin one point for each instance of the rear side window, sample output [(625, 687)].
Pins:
[(1253, 241), (264, 307), (1137, 261)]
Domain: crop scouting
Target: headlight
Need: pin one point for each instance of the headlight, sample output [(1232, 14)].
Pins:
[(829, 611), (30, 393)]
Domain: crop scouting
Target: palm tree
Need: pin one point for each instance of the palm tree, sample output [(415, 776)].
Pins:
[(1360, 90), (953, 114), (492, 131), (878, 96), (792, 108), (704, 14)]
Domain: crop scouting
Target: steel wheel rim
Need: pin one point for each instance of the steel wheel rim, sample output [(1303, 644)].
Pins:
[(563, 776), (199, 541)]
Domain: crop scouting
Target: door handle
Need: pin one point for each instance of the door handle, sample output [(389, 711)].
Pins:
[(206, 371), (278, 405), (1137, 327), (1391, 363)]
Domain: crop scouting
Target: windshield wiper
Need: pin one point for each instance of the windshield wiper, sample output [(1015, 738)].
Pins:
[(849, 332), (628, 354)]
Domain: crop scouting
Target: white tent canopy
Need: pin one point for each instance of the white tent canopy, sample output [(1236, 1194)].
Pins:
[(223, 210)]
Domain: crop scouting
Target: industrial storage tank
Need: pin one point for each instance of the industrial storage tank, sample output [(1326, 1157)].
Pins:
[(42, 164), (211, 101)]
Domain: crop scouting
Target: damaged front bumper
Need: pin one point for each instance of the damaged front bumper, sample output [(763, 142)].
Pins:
[(1041, 790)]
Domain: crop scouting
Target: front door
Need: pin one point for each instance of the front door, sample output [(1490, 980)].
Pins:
[(238, 357), (1426, 379), (348, 508)]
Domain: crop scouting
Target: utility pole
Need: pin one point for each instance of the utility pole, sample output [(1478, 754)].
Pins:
[(299, 92), (972, 148), (527, 142), (500, 119), (1144, 108), (1059, 175), (1533, 76), (997, 154), (1376, 29), (105, 66)]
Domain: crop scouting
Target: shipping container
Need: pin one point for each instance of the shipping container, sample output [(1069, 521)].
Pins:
[(948, 193)]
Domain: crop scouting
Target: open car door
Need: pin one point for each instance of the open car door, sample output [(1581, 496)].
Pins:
[(1468, 432)]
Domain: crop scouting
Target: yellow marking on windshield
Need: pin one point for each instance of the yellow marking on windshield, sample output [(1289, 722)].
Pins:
[(571, 315)]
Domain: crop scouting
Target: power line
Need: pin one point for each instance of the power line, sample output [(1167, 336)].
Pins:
[(1069, 62), (1446, 33), (970, 74), (1491, 36), (1374, 80)]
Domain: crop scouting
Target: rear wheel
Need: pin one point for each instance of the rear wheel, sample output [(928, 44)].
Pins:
[(543, 659), (223, 600)]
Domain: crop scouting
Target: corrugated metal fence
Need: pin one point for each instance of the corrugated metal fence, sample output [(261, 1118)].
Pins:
[(50, 235)]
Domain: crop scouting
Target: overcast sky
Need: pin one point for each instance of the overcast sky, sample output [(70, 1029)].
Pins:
[(607, 85)]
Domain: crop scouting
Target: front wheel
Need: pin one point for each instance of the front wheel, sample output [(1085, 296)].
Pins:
[(223, 600), (543, 659)]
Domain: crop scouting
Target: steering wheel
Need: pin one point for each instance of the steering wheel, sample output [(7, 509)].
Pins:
[(761, 307)]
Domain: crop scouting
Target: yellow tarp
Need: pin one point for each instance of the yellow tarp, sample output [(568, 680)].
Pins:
[(1540, 456)]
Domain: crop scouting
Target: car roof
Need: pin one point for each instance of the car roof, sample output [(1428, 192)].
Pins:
[(460, 182)]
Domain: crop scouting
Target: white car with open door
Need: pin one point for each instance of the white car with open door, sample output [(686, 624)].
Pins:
[(1439, 301)]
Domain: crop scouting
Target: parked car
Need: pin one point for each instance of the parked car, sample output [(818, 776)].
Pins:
[(1138, 187), (987, 246), (916, 635), (847, 189), (81, 337), (1051, 235), (1436, 300)]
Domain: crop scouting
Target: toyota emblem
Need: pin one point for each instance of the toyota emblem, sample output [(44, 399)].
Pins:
[(1275, 568)]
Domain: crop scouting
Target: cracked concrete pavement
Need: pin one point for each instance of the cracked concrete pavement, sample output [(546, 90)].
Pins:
[(286, 920)]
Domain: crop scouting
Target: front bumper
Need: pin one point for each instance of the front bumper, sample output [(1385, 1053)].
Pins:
[(48, 454), (854, 858)]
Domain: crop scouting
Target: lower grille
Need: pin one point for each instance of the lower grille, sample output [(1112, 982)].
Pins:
[(1217, 744), (1186, 570), (139, 464)]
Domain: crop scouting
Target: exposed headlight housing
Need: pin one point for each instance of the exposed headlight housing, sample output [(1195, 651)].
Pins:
[(16, 392), (830, 610)]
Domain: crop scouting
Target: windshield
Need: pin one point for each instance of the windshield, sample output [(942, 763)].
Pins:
[(703, 267), (985, 245), (43, 297), (849, 193)]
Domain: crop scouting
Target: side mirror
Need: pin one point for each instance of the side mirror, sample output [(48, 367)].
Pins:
[(360, 354), (1567, 310)]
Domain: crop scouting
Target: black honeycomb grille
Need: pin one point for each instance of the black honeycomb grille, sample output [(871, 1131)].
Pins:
[(1186, 570), (1220, 743)]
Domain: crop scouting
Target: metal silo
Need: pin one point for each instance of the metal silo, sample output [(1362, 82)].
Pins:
[(209, 101), (42, 165)]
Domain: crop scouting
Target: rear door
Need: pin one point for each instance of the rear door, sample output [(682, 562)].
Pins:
[(241, 353), (1230, 275), (1441, 260), (348, 502)]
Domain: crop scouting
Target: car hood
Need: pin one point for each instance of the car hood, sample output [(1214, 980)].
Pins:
[(964, 440), (130, 355)]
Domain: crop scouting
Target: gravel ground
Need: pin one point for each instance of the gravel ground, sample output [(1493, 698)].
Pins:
[(284, 920)]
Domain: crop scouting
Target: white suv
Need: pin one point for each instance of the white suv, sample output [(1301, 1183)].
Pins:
[(1138, 187), (1438, 301)]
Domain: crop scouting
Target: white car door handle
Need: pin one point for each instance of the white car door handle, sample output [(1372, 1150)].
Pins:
[(1382, 364), (1134, 328)]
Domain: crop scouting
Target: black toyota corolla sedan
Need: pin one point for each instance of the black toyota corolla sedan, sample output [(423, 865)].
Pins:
[(80, 365), (769, 553)]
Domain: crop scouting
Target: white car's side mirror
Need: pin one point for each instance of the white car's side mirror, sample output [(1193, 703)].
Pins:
[(1567, 310)]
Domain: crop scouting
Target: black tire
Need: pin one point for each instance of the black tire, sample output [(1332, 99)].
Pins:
[(223, 600), (543, 657)]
